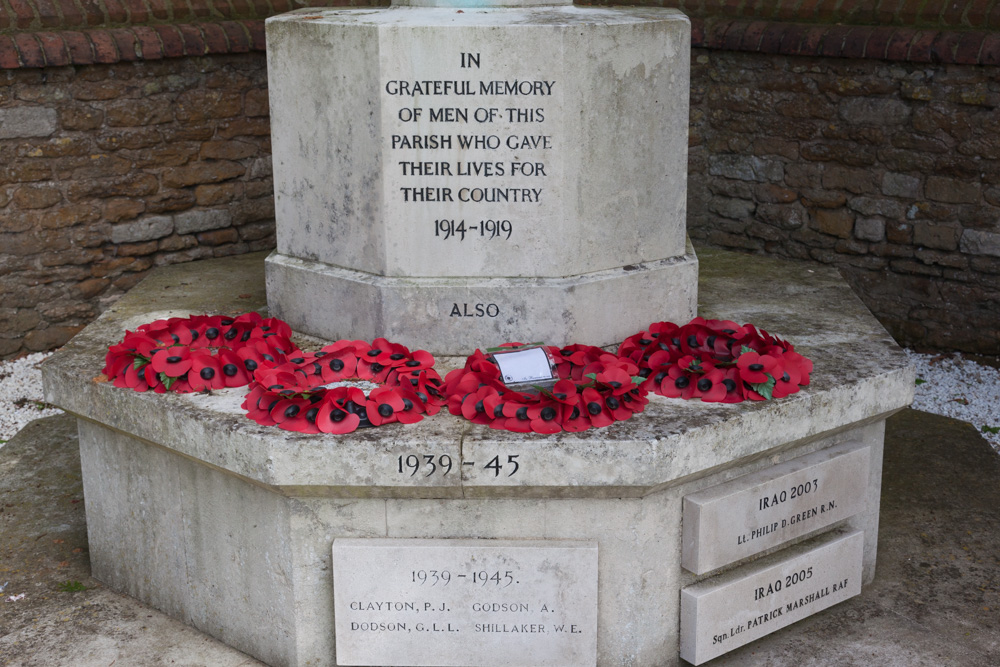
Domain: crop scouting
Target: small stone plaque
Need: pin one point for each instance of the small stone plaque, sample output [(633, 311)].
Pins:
[(736, 608), (481, 603), (755, 512)]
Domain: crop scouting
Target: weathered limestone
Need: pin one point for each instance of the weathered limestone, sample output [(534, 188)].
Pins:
[(733, 609), (493, 603), (750, 514), (465, 178), (229, 525)]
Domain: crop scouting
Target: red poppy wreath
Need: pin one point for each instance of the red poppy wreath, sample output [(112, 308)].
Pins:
[(595, 389), (716, 361), (292, 395), (197, 353)]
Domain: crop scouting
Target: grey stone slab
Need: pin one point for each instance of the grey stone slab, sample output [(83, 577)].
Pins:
[(190, 541), (203, 220), (733, 609), (144, 229), (926, 607), (612, 194), (621, 487), (978, 242), (482, 603), (473, 192), (19, 122), (860, 376), (756, 512), (454, 316)]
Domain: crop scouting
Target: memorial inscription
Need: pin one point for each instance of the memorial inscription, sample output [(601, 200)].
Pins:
[(725, 612), (464, 177), (465, 602), (473, 154), (755, 512)]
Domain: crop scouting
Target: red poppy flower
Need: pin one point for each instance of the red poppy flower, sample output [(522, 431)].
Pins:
[(786, 379), (383, 404), (676, 383), (710, 387), (333, 417), (303, 421), (290, 410), (172, 361), (413, 408), (338, 364), (735, 389), (565, 392), (427, 386), (755, 367), (574, 416), (544, 416), (475, 408), (596, 409), (206, 372), (274, 325), (801, 364), (117, 359), (616, 378), (515, 417), (132, 379), (635, 400), (253, 397)]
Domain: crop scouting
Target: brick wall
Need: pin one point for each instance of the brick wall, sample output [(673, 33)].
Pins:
[(109, 170), (889, 171), (134, 133)]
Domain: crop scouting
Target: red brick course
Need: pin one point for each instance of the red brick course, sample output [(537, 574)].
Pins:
[(933, 31), (906, 44)]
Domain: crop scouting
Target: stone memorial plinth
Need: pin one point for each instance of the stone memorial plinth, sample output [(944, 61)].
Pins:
[(462, 176), (232, 527)]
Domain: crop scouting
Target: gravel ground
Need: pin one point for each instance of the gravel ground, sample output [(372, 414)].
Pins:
[(952, 386), (947, 385), (21, 396)]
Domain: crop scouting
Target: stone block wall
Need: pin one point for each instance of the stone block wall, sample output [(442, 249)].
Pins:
[(109, 170), (132, 134), (862, 135), (888, 170)]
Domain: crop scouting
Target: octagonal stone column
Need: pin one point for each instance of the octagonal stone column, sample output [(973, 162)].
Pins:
[(458, 177)]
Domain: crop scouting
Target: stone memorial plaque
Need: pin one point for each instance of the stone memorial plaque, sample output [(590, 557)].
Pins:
[(736, 608), (480, 603), (457, 179), (755, 512)]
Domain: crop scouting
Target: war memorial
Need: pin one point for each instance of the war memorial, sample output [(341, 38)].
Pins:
[(451, 177)]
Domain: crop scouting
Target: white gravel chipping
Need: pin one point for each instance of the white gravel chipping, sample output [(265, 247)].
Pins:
[(21, 396), (947, 385), (955, 387)]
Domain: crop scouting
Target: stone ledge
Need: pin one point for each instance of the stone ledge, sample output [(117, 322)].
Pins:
[(860, 377)]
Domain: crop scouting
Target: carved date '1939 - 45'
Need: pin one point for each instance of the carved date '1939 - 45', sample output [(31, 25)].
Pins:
[(443, 464)]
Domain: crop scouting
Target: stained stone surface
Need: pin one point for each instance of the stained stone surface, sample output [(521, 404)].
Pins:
[(733, 609), (456, 178), (180, 471), (747, 515), (496, 603), (933, 601)]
